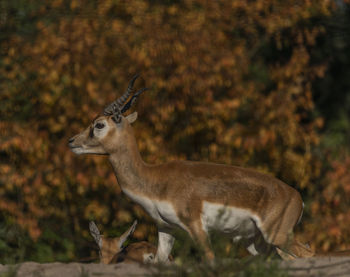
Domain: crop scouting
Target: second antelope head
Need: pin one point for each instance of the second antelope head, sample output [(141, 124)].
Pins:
[(109, 248), (112, 123)]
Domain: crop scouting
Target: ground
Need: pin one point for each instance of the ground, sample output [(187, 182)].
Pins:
[(319, 266)]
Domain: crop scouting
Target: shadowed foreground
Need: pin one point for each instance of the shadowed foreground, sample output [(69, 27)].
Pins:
[(320, 266)]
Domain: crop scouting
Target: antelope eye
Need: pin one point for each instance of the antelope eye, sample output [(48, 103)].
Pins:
[(99, 125)]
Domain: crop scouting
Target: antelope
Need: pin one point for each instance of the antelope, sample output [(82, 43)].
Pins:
[(111, 250), (197, 197)]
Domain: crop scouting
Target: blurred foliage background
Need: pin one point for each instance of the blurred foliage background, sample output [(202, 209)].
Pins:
[(261, 83)]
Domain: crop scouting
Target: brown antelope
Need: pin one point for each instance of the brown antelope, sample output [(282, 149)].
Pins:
[(195, 196), (111, 250)]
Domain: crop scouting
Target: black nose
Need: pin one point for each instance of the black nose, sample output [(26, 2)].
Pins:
[(71, 140)]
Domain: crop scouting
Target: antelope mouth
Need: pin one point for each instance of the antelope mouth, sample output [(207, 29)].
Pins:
[(76, 149), (84, 149), (71, 145)]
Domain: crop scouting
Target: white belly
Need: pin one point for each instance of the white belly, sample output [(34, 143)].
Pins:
[(161, 211), (230, 220)]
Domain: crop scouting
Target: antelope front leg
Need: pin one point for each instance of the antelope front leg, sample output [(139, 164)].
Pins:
[(165, 244)]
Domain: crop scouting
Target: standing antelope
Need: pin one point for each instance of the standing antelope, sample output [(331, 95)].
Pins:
[(111, 250), (195, 196)]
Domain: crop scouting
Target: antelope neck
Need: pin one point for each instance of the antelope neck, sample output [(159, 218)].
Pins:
[(130, 169)]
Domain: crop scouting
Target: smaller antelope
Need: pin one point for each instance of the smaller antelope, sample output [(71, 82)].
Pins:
[(111, 250)]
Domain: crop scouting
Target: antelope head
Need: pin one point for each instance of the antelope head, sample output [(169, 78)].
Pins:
[(111, 123), (109, 248)]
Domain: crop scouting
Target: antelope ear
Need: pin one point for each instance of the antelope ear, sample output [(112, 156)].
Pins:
[(128, 233), (95, 233), (132, 117)]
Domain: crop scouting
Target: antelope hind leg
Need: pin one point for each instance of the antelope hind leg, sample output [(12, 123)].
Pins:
[(200, 236)]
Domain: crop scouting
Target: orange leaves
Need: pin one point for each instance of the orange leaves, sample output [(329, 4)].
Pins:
[(338, 189), (330, 210), (96, 210), (82, 179)]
